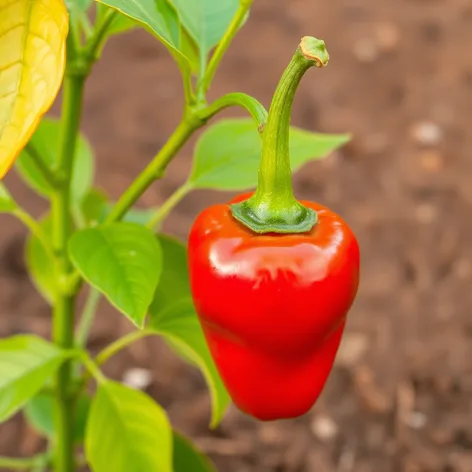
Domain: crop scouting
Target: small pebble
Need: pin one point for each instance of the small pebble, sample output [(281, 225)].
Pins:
[(427, 133), (139, 379), (417, 420), (324, 428)]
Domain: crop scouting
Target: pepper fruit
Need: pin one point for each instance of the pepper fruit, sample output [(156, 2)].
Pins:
[(273, 278)]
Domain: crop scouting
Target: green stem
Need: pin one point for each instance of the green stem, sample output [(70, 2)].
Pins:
[(250, 104), (87, 317), (86, 24), (113, 349), (273, 207), (235, 25), (169, 205), (41, 165), (92, 367), (156, 168), (121, 344), (64, 307), (98, 38), (73, 39), (193, 120), (18, 464)]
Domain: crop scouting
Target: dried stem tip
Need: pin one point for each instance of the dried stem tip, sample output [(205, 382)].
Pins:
[(314, 50)]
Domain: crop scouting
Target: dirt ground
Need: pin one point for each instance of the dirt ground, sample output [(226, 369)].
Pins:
[(400, 396)]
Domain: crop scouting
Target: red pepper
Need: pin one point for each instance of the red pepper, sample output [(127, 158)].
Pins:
[(273, 278)]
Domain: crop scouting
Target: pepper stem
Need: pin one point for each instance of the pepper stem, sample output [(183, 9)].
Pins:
[(273, 207)]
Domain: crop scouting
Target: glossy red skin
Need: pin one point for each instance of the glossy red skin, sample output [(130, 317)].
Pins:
[(273, 307)]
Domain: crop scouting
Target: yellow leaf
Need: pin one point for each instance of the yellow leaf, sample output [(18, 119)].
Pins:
[(32, 60)]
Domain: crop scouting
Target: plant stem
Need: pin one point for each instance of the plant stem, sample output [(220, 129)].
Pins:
[(63, 316), (17, 464), (250, 104), (156, 168), (121, 344), (111, 350), (169, 205), (86, 24), (92, 367), (73, 39), (273, 207), (88, 316), (193, 120), (275, 162), (236, 23), (97, 39)]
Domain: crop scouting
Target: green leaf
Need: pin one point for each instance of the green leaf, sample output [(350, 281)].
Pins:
[(175, 282), (92, 207), (159, 16), (95, 208), (234, 165), (41, 267), (191, 51), (7, 204), (206, 20), (45, 142), (188, 459), (39, 413), (121, 24), (127, 432), (121, 260), (179, 325), (32, 51), (26, 363)]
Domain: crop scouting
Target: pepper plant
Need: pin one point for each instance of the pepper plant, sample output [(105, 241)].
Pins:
[(85, 242)]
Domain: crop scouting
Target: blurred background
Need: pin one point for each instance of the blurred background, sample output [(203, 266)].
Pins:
[(400, 79)]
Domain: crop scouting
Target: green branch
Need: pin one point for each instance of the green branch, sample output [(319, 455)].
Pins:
[(193, 120), (92, 367), (87, 317), (155, 170), (14, 463), (96, 41), (121, 344), (242, 100), (235, 25), (162, 212)]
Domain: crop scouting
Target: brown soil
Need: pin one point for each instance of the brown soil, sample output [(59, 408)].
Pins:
[(400, 397)]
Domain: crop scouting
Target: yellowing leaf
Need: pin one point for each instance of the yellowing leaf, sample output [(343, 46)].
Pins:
[(32, 60)]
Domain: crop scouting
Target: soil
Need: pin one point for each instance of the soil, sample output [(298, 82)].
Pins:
[(400, 79)]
